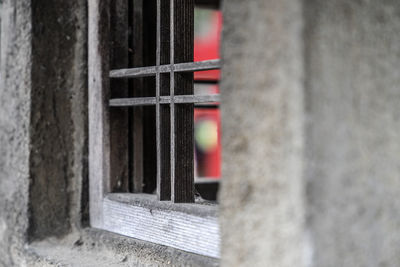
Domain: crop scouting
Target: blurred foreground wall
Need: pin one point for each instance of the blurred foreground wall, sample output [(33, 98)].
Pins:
[(311, 124), (311, 138)]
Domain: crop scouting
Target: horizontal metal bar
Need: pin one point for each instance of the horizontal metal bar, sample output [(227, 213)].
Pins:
[(130, 102), (134, 73), (151, 71), (178, 99), (183, 99), (198, 66)]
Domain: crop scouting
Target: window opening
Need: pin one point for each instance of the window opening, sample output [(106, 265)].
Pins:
[(172, 123), (142, 104)]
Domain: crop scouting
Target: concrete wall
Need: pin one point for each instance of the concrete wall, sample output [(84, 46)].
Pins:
[(311, 136), (58, 116), (352, 100), (43, 146), (348, 169), (43, 121), (262, 205), (15, 85)]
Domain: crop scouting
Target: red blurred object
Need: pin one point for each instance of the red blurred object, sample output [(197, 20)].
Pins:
[(209, 163), (206, 46)]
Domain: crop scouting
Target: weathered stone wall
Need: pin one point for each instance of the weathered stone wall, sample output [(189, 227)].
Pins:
[(43, 121), (15, 85), (43, 146), (352, 103), (58, 115), (311, 136), (262, 210), (346, 64)]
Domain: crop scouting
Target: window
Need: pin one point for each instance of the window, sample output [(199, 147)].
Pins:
[(141, 124)]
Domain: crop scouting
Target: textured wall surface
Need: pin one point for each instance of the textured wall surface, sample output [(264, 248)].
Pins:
[(349, 170), (43, 146), (311, 136), (58, 115), (14, 128), (353, 131), (262, 211)]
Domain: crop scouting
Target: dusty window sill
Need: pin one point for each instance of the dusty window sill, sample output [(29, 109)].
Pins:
[(189, 227), (92, 247)]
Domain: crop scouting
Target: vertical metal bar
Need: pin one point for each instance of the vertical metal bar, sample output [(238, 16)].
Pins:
[(149, 90), (172, 94), (183, 113), (119, 118), (164, 183), (136, 90), (158, 141)]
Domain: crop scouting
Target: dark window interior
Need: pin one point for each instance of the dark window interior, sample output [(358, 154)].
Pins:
[(165, 124)]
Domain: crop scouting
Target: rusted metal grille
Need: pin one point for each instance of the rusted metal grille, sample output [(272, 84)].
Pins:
[(174, 102)]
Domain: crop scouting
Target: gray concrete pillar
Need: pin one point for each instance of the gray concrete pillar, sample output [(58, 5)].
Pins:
[(311, 133), (15, 91), (262, 204), (352, 100)]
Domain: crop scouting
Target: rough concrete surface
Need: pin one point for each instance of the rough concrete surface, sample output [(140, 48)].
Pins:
[(353, 131), (261, 198), (311, 138), (14, 128), (349, 172), (58, 116), (100, 248), (43, 146)]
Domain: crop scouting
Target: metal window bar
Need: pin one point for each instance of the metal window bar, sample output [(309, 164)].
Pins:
[(180, 188), (158, 123), (153, 70)]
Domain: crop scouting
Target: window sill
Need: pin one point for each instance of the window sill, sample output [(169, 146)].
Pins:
[(92, 247), (189, 227)]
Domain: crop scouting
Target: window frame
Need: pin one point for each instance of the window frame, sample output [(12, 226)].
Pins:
[(189, 227)]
